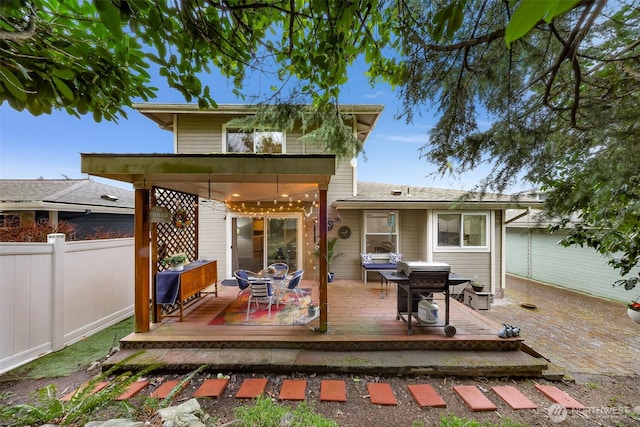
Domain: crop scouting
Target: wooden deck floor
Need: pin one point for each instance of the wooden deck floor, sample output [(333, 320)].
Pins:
[(358, 319)]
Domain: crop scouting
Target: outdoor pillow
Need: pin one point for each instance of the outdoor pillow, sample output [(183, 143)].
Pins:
[(395, 258), (366, 259)]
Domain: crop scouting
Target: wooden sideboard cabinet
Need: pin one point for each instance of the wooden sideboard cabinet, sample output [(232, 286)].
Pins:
[(190, 283)]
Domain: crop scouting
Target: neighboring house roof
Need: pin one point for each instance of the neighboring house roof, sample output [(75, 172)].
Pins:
[(535, 218), (394, 196), (64, 195)]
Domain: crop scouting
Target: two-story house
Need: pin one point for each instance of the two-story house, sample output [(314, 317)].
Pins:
[(265, 196)]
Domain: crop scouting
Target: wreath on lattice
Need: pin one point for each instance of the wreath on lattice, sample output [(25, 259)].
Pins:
[(180, 219)]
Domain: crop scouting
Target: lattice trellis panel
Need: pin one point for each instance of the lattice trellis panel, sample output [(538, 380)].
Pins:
[(181, 234)]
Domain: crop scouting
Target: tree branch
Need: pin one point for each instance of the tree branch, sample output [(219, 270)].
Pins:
[(27, 33)]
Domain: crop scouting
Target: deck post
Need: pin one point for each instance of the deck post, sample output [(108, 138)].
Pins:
[(324, 273), (142, 250)]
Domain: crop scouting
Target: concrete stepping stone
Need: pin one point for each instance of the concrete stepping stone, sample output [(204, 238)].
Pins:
[(133, 389), (165, 388), (251, 388), (474, 398), (293, 390), (558, 396), (381, 394), (99, 386), (333, 391), (514, 397), (212, 387), (425, 395)]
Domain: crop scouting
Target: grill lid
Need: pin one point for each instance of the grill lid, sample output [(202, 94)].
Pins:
[(409, 267)]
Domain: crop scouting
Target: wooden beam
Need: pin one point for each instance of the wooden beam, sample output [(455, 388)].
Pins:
[(324, 270), (141, 256)]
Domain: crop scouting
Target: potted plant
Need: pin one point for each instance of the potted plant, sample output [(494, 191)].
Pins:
[(175, 261), (331, 256), (312, 309), (633, 311)]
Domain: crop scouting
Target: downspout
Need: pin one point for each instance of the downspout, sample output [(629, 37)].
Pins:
[(175, 133)]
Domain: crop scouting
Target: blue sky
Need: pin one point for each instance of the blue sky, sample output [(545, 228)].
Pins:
[(49, 146)]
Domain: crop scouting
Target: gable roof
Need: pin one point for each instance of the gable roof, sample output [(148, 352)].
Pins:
[(63, 194), (373, 195)]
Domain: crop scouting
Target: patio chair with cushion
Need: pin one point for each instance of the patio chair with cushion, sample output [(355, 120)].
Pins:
[(261, 292), (242, 277), (292, 285)]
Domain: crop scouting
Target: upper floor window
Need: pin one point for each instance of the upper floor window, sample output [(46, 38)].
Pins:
[(467, 230), (239, 141), (380, 232)]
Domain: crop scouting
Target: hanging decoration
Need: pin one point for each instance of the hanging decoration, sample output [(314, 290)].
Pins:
[(180, 219), (159, 214), (293, 203)]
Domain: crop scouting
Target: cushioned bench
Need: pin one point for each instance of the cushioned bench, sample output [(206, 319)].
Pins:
[(377, 268)]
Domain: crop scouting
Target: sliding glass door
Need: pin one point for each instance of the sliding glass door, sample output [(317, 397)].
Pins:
[(260, 241)]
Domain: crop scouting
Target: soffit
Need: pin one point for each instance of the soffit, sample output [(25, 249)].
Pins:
[(217, 176), (366, 114)]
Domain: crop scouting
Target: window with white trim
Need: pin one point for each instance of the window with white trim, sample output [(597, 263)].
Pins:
[(381, 232), (467, 230), (257, 141)]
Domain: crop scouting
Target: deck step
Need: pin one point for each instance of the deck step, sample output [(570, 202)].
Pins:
[(414, 362)]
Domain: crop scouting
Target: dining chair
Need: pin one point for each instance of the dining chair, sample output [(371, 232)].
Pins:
[(242, 277), (261, 292), (292, 285)]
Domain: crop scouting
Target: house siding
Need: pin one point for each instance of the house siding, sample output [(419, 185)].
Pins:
[(413, 234), (468, 264), (535, 254), (211, 232), (348, 265), (199, 134)]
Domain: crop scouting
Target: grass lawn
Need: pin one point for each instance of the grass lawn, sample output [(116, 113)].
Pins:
[(76, 356)]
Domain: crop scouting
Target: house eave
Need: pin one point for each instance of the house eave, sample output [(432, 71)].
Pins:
[(431, 204), (367, 115), (7, 207)]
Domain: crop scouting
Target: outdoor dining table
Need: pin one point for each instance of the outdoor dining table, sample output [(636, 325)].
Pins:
[(276, 282)]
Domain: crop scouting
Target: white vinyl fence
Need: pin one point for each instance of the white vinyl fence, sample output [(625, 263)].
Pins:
[(54, 294)]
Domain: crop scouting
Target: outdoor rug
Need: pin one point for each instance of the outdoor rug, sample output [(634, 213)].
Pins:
[(289, 313), (229, 282)]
